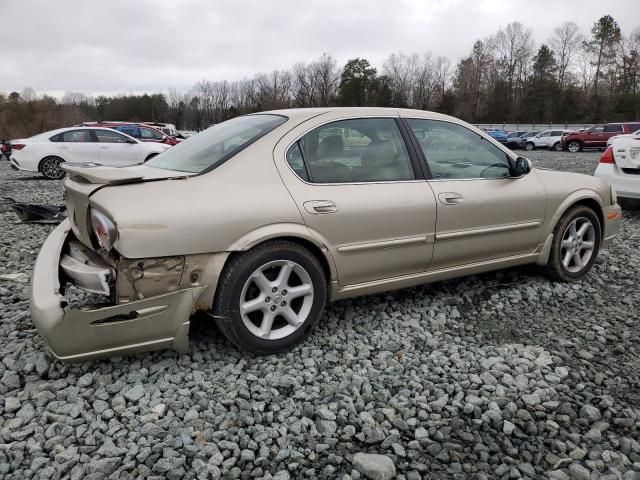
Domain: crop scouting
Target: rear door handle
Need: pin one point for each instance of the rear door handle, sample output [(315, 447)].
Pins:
[(317, 207), (450, 198), (103, 147)]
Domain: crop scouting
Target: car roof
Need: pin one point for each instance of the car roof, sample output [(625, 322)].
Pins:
[(301, 114)]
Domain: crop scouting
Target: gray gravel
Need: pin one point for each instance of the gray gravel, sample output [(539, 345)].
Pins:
[(503, 375)]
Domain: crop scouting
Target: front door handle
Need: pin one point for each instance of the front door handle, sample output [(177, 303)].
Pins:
[(102, 147), (450, 198), (317, 207)]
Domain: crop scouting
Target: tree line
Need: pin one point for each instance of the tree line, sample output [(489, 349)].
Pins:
[(572, 77)]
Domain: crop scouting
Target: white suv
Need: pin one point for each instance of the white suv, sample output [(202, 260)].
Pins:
[(549, 139)]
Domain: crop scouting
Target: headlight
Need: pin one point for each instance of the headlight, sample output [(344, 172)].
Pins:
[(104, 229), (614, 195)]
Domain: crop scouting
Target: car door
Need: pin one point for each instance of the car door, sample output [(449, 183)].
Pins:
[(117, 149), (542, 139), (361, 192), (609, 131), (76, 146), (483, 213), (594, 137)]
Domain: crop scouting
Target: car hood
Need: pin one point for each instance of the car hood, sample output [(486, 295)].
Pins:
[(561, 185)]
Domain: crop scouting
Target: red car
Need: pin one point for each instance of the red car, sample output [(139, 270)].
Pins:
[(141, 132), (596, 136)]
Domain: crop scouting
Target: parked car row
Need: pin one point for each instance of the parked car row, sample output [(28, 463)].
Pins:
[(530, 140), (596, 137)]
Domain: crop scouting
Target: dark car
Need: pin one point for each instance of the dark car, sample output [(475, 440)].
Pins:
[(513, 139), (522, 139)]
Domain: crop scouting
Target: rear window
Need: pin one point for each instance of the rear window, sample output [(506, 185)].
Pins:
[(212, 147), (613, 127)]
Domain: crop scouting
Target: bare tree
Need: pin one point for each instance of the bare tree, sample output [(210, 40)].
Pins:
[(565, 42), (399, 70), (28, 94), (513, 47)]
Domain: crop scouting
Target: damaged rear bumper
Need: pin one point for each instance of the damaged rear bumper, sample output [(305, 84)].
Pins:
[(72, 334)]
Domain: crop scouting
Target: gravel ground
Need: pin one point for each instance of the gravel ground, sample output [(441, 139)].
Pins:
[(503, 375)]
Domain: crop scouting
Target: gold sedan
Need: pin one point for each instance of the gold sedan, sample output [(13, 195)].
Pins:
[(260, 220)]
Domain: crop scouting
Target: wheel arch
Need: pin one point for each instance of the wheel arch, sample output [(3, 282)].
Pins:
[(586, 198), (295, 233)]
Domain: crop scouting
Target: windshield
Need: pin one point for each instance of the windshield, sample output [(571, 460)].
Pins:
[(210, 148)]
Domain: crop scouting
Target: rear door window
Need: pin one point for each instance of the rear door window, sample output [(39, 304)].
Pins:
[(613, 127), (75, 136), (110, 136), (150, 134), (353, 151)]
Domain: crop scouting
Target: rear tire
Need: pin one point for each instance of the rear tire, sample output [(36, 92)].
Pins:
[(557, 147), (50, 168), (529, 146), (574, 146), (576, 243), (255, 305)]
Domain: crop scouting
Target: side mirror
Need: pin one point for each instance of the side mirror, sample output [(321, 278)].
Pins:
[(522, 167)]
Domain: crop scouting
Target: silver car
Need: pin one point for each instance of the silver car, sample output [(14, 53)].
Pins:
[(263, 219)]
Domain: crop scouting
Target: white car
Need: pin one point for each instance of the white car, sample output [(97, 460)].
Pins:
[(45, 152), (620, 165), (549, 139), (634, 134)]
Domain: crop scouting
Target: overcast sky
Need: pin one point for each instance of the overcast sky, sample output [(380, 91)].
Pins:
[(135, 46)]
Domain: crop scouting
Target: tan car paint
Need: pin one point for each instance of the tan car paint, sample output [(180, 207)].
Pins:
[(385, 238), (378, 229)]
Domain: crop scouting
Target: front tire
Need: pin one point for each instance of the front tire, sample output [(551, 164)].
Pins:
[(529, 146), (50, 168), (574, 146), (576, 243), (270, 298)]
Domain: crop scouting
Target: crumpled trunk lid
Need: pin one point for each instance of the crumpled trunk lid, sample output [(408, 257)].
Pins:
[(83, 181)]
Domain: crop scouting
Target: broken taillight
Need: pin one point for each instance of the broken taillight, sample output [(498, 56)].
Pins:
[(607, 156)]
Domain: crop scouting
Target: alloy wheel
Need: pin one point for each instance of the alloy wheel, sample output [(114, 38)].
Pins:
[(51, 168), (276, 299), (578, 243), (573, 147)]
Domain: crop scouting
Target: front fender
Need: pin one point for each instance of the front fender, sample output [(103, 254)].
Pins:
[(557, 211)]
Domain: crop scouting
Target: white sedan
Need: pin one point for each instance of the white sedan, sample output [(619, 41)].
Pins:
[(634, 134), (45, 152), (620, 165)]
